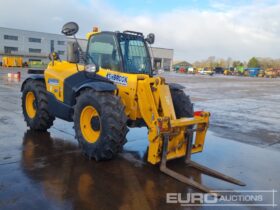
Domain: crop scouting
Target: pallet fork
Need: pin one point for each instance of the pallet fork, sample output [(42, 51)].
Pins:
[(190, 163)]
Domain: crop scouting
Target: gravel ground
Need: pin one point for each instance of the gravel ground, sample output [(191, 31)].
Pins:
[(242, 108)]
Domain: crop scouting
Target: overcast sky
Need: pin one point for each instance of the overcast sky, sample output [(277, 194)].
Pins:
[(195, 29)]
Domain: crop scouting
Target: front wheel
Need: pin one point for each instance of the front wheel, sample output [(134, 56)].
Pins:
[(182, 103), (100, 124)]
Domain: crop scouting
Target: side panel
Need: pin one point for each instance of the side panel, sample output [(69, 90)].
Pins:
[(63, 80), (127, 89), (59, 109), (55, 76), (81, 80)]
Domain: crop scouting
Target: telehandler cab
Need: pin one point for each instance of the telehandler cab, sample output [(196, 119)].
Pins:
[(111, 87)]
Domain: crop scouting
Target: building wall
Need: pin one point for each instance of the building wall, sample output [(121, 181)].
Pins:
[(161, 57), (29, 49)]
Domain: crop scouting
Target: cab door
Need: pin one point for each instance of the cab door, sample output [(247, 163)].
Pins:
[(103, 50)]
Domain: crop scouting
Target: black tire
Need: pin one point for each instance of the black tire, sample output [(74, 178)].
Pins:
[(112, 120), (42, 120), (182, 103)]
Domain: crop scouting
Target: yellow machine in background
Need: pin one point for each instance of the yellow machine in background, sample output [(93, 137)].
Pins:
[(12, 61), (111, 87), (227, 72), (270, 73)]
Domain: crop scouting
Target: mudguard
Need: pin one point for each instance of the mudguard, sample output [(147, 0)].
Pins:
[(97, 86), (34, 77), (79, 81)]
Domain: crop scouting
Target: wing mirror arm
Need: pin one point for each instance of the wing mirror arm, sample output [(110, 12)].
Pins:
[(75, 50)]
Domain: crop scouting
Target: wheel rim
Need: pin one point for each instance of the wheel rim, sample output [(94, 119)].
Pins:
[(90, 124), (30, 105)]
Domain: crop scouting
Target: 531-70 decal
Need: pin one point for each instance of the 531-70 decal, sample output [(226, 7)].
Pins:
[(121, 80)]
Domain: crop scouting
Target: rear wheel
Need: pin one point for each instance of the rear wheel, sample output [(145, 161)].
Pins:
[(100, 124), (35, 106)]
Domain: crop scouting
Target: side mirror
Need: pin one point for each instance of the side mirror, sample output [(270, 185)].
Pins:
[(150, 38), (70, 29), (73, 54)]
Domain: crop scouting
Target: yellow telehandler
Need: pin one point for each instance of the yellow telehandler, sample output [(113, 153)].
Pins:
[(110, 87)]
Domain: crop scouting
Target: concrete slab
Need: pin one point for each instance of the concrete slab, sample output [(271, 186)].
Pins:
[(47, 170)]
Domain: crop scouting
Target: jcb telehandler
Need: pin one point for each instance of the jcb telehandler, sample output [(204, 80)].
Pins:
[(111, 87)]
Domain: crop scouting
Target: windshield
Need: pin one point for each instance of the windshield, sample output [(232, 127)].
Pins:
[(135, 54)]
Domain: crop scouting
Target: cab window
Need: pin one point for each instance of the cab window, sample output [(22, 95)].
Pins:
[(103, 51), (135, 54)]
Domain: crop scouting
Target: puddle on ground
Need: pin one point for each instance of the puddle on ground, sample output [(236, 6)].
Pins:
[(53, 173)]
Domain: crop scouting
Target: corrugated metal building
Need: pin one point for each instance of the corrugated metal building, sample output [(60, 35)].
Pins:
[(162, 58), (31, 45), (36, 46)]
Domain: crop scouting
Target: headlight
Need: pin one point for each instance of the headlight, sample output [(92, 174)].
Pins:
[(91, 68)]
